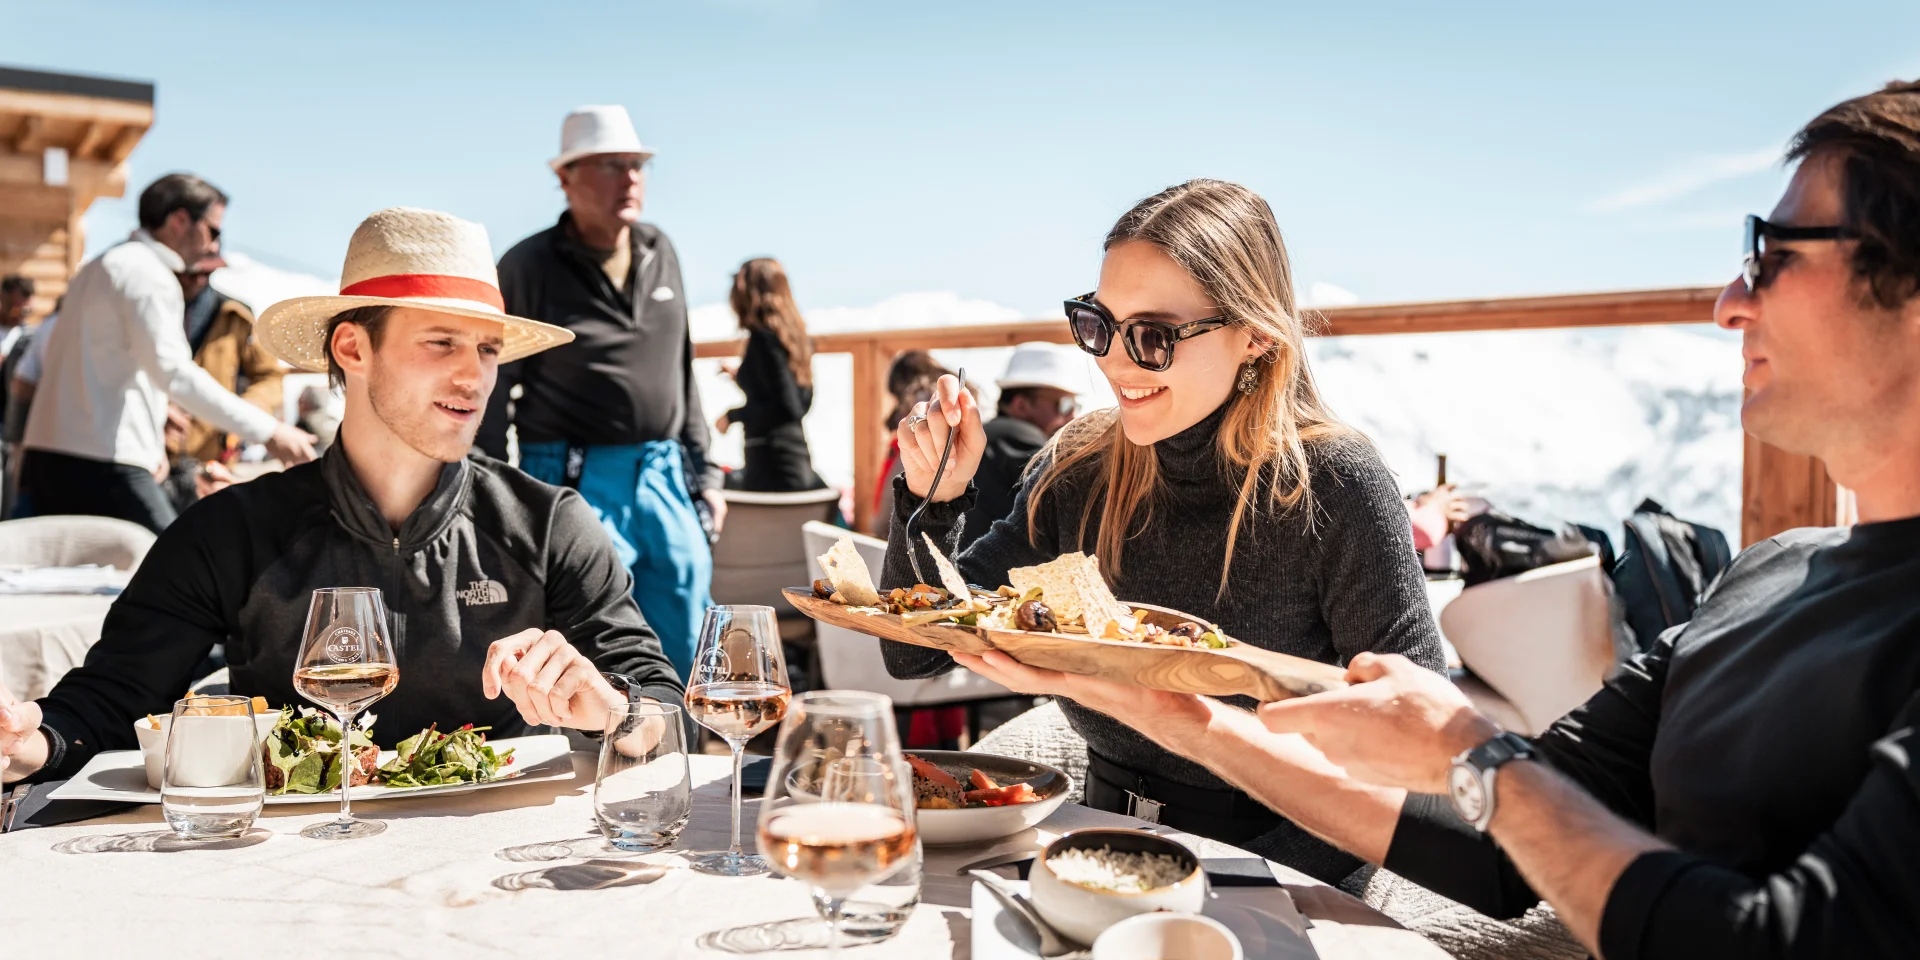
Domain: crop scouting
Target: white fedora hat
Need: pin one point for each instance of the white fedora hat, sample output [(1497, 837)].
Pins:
[(1046, 365), (404, 257), (591, 130)]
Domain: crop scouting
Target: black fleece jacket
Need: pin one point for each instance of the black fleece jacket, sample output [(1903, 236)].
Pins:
[(490, 552)]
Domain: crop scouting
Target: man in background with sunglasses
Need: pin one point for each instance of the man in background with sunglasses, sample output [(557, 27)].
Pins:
[(1039, 394), (96, 435)]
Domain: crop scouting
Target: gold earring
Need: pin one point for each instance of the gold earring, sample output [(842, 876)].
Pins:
[(1249, 378)]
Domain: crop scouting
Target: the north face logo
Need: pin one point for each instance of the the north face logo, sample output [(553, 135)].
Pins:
[(482, 592)]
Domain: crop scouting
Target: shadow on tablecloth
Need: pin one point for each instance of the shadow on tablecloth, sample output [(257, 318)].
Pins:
[(155, 841)]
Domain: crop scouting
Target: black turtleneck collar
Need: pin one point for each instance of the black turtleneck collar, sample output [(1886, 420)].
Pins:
[(355, 510), (1192, 453)]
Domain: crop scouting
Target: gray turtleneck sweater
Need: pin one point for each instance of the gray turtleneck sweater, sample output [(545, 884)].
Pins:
[(1345, 582)]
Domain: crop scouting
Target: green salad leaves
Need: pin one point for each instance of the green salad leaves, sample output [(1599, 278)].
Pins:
[(302, 754), (430, 758)]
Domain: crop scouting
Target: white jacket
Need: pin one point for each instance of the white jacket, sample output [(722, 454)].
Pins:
[(119, 352)]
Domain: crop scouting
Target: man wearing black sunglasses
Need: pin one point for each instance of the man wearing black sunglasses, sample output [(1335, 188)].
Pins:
[(1039, 394), (1748, 787), (119, 355)]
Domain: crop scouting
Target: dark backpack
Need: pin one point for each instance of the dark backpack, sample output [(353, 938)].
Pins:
[(1666, 565), (1494, 545)]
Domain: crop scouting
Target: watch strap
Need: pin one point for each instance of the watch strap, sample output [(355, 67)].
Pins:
[(1502, 748)]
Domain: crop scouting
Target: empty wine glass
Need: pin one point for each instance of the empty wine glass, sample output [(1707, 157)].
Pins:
[(346, 663), (738, 689), (212, 784), (643, 793), (838, 810)]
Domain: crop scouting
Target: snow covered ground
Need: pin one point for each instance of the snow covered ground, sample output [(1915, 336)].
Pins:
[(1549, 425)]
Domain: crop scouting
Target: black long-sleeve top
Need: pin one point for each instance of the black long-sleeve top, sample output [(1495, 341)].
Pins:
[(1326, 588), (488, 554), (1771, 740), (627, 377), (773, 398)]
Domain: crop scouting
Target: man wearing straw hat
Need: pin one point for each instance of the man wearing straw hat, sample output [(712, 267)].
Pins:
[(496, 583), (616, 414)]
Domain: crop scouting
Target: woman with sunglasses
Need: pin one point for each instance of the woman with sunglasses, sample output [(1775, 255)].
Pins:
[(1220, 486)]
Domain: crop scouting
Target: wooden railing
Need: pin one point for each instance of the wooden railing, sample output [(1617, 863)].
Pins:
[(1779, 490)]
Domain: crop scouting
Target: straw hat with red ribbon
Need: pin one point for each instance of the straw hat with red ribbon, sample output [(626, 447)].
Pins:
[(405, 257)]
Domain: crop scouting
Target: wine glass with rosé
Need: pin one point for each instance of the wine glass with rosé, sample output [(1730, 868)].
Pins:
[(738, 690), (346, 663), (838, 810)]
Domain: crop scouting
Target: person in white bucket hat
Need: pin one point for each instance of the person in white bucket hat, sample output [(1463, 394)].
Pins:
[(616, 414), (508, 605), (1039, 393)]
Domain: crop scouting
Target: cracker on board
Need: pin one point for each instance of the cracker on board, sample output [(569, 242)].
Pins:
[(848, 572), (950, 578), (1073, 587)]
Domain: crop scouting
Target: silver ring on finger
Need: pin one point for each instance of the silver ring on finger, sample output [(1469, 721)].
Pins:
[(915, 423)]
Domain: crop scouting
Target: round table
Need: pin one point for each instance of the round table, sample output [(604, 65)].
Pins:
[(442, 881), (42, 636)]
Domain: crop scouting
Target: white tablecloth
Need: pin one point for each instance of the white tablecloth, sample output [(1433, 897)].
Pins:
[(42, 636), (428, 887)]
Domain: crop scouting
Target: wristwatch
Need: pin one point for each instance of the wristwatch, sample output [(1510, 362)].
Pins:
[(1470, 780)]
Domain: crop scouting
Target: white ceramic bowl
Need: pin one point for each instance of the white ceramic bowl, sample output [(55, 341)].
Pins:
[(153, 743), (981, 824), (1154, 936), (978, 824), (1084, 913)]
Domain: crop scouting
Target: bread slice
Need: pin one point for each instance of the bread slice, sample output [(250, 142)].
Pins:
[(950, 578), (1071, 584), (848, 572)]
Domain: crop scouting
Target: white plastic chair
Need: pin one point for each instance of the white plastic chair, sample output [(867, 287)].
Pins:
[(851, 661), (1540, 641), (73, 541), (760, 550)]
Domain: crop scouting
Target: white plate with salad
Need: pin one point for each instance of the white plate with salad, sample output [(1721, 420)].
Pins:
[(301, 754)]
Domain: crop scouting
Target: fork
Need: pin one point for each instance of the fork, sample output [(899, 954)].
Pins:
[(939, 473)]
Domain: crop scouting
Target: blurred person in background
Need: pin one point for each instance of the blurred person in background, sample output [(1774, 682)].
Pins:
[(219, 331), (776, 375), (120, 353), (16, 295), (616, 413), (1039, 394), (318, 416)]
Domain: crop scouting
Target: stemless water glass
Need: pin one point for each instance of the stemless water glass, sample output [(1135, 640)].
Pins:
[(212, 783), (738, 689), (643, 793), (345, 664), (838, 811)]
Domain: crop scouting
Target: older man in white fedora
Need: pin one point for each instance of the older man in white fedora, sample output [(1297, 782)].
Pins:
[(495, 582), (615, 414), (1039, 393)]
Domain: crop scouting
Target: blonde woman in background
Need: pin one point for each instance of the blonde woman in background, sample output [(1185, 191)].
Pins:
[(1220, 485), (776, 374)]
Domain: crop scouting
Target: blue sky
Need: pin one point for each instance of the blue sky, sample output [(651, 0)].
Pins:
[(1411, 151)]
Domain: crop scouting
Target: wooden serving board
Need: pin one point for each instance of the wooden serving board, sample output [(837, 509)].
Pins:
[(1240, 669)]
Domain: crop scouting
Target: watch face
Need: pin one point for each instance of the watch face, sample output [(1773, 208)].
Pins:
[(1469, 795)]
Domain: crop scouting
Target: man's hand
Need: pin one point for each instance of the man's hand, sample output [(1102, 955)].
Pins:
[(718, 502), (214, 477), (290, 445), (549, 680), (1399, 725), (23, 749), (723, 424)]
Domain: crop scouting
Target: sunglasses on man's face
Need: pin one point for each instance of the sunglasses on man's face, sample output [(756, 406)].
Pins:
[(618, 166), (1149, 342), (1753, 264)]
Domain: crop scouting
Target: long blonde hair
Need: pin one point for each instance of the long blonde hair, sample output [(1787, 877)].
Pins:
[(1225, 236), (762, 300)]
